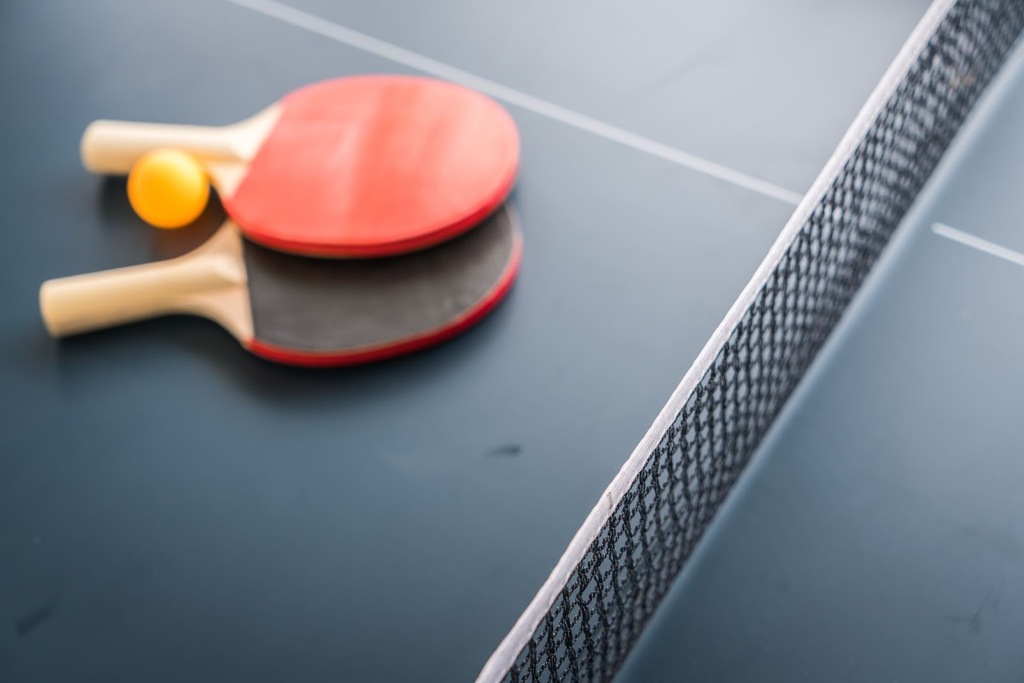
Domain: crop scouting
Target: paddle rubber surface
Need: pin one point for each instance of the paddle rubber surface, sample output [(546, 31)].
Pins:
[(321, 312), (377, 165)]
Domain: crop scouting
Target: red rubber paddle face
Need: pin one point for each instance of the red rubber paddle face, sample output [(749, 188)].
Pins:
[(376, 166)]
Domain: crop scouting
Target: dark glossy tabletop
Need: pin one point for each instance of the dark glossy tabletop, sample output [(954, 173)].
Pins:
[(173, 509)]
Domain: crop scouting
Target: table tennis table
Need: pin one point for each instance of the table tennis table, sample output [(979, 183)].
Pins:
[(172, 508)]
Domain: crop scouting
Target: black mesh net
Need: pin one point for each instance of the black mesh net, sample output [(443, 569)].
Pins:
[(615, 588)]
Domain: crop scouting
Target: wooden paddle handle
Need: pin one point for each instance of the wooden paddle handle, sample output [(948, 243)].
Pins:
[(94, 301), (113, 147)]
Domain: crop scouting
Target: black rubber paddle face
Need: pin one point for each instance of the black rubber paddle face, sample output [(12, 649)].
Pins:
[(338, 311)]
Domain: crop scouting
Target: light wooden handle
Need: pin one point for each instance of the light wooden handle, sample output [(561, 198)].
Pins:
[(82, 303), (113, 147)]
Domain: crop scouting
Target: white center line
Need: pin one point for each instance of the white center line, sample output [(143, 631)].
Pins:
[(973, 242), (424, 64)]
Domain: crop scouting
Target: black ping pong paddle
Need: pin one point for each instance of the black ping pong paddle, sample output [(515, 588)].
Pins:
[(304, 311)]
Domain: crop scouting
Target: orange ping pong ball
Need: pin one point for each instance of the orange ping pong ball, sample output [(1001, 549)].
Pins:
[(168, 188)]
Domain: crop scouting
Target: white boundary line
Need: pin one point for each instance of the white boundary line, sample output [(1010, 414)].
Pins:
[(432, 67), (969, 240), (503, 658)]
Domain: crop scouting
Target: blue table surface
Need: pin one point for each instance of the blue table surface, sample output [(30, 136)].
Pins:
[(172, 508)]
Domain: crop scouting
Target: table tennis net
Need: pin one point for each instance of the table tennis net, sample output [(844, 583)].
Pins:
[(583, 623)]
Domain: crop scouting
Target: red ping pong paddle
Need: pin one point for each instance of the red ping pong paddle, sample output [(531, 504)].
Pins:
[(350, 167), (300, 311)]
